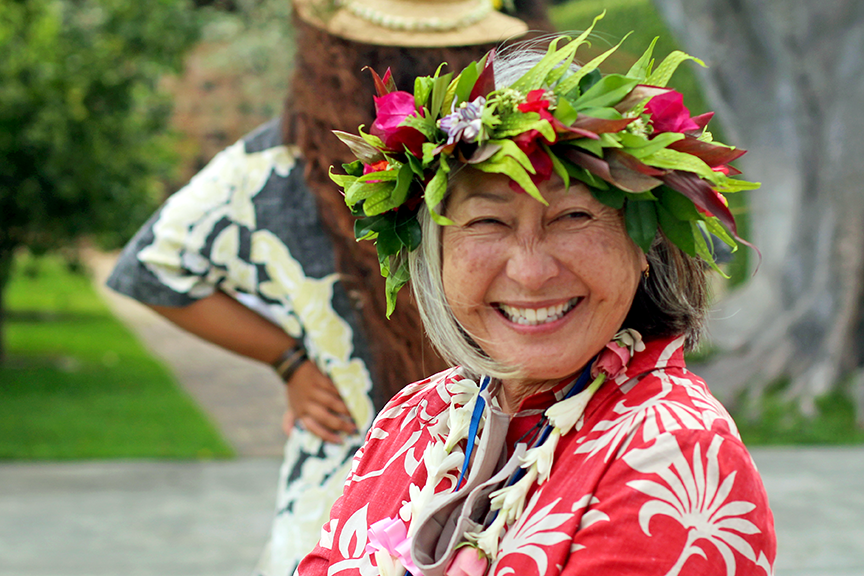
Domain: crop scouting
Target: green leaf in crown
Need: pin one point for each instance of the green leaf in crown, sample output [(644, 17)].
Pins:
[(627, 137)]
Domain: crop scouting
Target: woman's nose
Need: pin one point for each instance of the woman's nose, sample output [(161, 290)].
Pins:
[(532, 266)]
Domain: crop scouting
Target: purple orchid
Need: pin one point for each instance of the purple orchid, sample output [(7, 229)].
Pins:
[(464, 123)]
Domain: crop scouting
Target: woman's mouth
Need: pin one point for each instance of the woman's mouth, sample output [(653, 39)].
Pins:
[(537, 316)]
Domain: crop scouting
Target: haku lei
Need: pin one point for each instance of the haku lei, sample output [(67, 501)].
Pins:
[(389, 539), (627, 137)]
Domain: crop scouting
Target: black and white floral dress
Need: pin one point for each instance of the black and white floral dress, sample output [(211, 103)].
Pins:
[(248, 225)]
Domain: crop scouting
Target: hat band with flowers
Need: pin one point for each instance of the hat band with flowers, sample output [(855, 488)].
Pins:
[(627, 137), (412, 23), (477, 10)]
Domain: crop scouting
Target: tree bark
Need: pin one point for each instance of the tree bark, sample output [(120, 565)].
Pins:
[(786, 78)]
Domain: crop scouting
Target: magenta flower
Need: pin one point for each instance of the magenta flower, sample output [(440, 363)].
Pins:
[(668, 113), (391, 110), (468, 561)]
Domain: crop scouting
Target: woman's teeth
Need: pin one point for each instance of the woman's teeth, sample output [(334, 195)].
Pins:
[(536, 316)]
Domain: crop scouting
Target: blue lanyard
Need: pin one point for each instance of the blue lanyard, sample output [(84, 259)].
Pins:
[(477, 414), (579, 386), (479, 406)]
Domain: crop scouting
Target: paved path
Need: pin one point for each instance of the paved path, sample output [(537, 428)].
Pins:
[(135, 518), (817, 496), (143, 518), (211, 518)]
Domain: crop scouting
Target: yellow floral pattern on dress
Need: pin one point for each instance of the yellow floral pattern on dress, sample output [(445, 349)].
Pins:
[(328, 336), (223, 189)]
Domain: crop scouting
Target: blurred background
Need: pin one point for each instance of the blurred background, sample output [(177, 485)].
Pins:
[(127, 446)]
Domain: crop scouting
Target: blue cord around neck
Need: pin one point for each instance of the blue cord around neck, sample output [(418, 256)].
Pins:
[(476, 415), (580, 384)]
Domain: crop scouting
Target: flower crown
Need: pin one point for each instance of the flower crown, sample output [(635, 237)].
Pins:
[(627, 137)]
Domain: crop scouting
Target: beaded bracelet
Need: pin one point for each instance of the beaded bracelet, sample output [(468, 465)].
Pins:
[(289, 361)]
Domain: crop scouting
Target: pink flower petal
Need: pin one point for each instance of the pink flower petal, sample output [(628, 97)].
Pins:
[(467, 562), (612, 360), (668, 113)]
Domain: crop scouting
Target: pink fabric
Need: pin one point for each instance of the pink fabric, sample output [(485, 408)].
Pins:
[(654, 482), (391, 534)]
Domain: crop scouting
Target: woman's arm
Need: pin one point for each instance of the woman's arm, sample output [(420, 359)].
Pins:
[(224, 321)]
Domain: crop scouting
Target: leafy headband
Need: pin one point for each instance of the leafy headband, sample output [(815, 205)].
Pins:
[(627, 137)]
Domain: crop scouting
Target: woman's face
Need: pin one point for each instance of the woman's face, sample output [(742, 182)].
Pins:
[(540, 287)]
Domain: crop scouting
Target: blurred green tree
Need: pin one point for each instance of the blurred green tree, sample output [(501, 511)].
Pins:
[(83, 140)]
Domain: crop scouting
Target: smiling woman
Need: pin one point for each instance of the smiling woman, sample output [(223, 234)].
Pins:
[(539, 287), (553, 224)]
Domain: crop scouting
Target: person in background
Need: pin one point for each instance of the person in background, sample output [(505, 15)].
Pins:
[(257, 253)]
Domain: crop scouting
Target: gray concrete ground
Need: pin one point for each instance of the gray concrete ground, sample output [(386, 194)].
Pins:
[(135, 518), (817, 496), (211, 518), (142, 518)]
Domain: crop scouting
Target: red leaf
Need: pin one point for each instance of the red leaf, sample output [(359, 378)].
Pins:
[(702, 120), (711, 154), (636, 165), (621, 170), (638, 94), (479, 154), (630, 175), (703, 196), (600, 126), (486, 81), (569, 133), (596, 166), (382, 86)]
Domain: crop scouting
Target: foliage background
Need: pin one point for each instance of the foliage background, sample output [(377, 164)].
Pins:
[(82, 120), (108, 106)]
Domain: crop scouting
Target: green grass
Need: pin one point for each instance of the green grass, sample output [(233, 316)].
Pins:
[(640, 17), (76, 384), (773, 420)]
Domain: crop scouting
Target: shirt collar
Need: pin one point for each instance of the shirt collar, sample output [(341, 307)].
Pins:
[(658, 353)]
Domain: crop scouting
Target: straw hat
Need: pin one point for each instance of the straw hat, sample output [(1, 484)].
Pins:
[(411, 23)]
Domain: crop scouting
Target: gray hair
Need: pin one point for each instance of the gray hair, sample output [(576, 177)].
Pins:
[(445, 332)]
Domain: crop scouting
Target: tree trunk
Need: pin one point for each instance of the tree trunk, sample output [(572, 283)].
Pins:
[(786, 78), (5, 271)]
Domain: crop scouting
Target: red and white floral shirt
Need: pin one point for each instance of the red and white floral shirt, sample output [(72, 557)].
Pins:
[(653, 481)]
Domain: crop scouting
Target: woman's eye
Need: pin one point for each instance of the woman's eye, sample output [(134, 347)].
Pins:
[(486, 222), (575, 216)]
